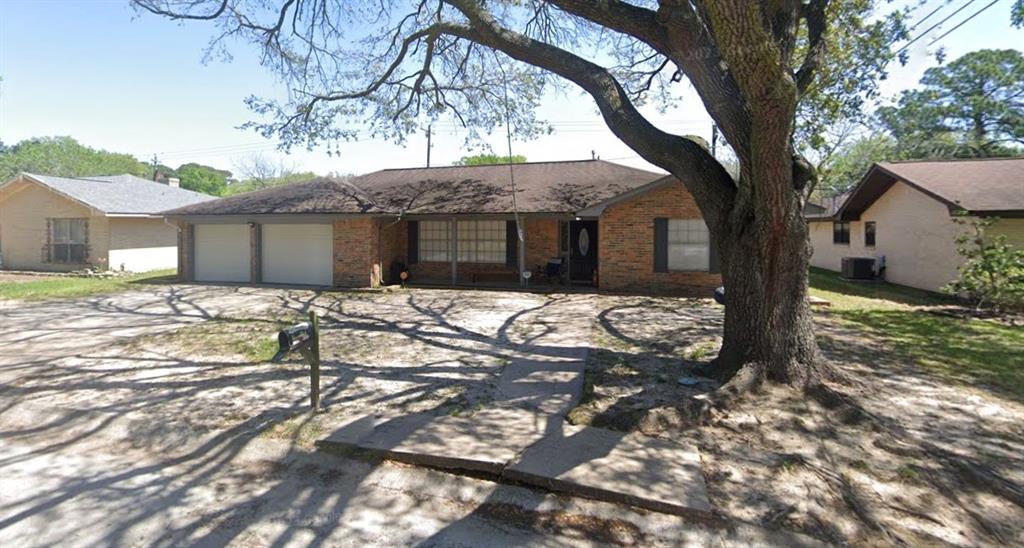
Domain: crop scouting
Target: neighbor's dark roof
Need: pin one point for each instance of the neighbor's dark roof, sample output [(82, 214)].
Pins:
[(984, 186), (120, 194), (541, 187), (323, 195)]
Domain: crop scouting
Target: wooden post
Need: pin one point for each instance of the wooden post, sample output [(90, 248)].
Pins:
[(314, 362)]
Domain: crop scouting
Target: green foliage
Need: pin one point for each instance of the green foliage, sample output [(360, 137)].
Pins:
[(858, 45), (490, 159), (205, 179), (64, 157), (250, 185), (993, 270), (970, 108), (845, 167), (1017, 14)]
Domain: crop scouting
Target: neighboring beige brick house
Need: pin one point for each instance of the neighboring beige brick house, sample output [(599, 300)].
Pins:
[(57, 223), (616, 227), (903, 212)]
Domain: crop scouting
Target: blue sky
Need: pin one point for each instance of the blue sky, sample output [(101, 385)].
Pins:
[(97, 71)]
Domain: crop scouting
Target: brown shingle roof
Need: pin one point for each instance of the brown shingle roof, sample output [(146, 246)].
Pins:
[(541, 187), (324, 195), (990, 185)]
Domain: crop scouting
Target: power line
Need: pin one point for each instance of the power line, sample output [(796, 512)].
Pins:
[(975, 14), (942, 4), (933, 27)]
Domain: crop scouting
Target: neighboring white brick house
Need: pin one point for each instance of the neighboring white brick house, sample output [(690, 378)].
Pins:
[(58, 223), (911, 206)]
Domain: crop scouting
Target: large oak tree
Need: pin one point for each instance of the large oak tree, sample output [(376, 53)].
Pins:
[(389, 68)]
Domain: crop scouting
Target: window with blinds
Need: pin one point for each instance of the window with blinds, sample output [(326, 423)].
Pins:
[(434, 241), (481, 241), (688, 245)]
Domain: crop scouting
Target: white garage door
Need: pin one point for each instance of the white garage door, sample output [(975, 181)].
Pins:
[(222, 253), (298, 254)]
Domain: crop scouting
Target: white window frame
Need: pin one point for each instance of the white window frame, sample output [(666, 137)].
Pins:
[(434, 241), (689, 245), (482, 241)]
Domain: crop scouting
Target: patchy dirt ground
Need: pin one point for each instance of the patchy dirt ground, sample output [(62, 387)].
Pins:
[(384, 354), (153, 418), (783, 460)]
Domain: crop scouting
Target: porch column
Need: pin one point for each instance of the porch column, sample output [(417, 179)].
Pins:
[(521, 242), (454, 245)]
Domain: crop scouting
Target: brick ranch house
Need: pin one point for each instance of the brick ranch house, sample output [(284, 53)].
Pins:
[(615, 227)]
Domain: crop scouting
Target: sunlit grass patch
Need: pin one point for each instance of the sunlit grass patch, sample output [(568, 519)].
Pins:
[(66, 287)]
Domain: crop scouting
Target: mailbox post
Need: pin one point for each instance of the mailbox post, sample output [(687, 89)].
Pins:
[(304, 338)]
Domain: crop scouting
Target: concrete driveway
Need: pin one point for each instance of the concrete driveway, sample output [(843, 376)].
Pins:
[(118, 430)]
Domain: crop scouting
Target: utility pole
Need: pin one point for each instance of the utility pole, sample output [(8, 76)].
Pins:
[(429, 133), (156, 162), (714, 139)]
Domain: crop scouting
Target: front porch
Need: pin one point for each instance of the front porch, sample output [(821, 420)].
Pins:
[(489, 251)]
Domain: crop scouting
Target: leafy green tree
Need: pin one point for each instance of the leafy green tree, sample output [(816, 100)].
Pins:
[(249, 185), (489, 63), (992, 273), (490, 159), (847, 165), (848, 78), (973, 107), (65, 157), (205, 179)]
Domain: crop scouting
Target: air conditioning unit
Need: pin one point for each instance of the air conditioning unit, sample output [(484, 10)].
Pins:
[(859, 268)]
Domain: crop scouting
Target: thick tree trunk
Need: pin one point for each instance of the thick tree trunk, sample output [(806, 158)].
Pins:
[(769, 330)]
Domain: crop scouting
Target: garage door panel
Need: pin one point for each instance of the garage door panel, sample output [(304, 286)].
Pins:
[(222, 253), (299, 254)]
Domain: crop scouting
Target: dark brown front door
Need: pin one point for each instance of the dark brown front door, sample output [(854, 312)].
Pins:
[(582, 251)]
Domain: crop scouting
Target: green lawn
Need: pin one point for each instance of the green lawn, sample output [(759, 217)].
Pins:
[(64, 288), (981, 353)]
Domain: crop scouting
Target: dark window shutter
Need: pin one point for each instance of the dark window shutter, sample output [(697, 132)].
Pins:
[(511, 244), (660, 244), (413, 227), (714, 264)]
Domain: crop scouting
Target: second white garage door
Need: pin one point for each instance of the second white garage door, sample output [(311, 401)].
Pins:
[(298, 254), (222, 253)]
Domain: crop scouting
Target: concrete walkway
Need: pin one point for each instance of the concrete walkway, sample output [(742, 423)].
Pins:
[(523, 436)]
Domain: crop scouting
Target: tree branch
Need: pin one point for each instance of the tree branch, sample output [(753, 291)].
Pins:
[(151, 6), (702, 174), (814, 14)]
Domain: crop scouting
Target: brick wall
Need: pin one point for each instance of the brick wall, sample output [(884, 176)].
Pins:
[(541, 242), (186, 235), (626, 245), (356, 252)]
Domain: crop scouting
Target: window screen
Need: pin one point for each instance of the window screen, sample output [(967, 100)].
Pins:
[(68, 241), (434, 241), (688, 245), (481, 241)]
